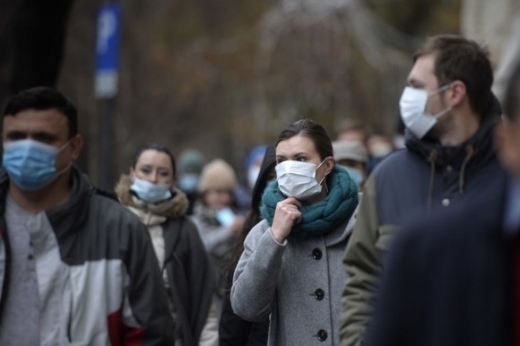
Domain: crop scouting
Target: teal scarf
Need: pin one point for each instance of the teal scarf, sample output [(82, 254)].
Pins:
[(321, 217)]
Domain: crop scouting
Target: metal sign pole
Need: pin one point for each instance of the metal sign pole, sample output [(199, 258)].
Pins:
[(106, 88)]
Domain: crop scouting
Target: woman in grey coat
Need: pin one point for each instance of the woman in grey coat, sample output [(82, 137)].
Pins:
[(291, 268)]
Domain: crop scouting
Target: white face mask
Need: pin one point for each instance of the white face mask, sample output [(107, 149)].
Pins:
[(413, 110), (298, 179)]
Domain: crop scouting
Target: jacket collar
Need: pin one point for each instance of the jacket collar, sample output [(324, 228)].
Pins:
[(174, 207), (66, 217), (479, 148)]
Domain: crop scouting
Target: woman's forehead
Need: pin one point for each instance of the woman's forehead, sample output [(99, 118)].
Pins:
[(151, 156), (296, 145)]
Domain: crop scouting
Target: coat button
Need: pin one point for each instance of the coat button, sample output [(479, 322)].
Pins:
[(445, 202), (322, 335), (316, 254), (319, 294)]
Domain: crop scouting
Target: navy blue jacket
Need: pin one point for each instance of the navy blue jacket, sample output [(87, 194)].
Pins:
[(447, 279)]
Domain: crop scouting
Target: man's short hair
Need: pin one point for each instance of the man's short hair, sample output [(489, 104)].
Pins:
[(43, 98), (511, 104), (457, 58)]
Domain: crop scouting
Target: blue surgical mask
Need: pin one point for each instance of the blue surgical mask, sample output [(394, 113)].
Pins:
[(225, 216), (189, 182), (150, 192), (31, 164), (355, 174)]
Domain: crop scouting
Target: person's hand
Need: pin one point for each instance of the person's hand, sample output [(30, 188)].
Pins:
[(238, 223), (286, 216)]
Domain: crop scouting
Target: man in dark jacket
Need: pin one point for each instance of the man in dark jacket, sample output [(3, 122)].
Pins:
[(450, 112), (454, 278), (75, 266)]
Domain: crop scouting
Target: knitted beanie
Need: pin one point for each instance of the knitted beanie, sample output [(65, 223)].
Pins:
[(190, 160), (217, 175)]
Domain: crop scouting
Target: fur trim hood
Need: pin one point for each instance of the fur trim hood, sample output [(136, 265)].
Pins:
[(172, 208)]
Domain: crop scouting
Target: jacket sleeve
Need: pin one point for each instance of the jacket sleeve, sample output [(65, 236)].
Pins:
[(362, 263), (146, 319), (256, 275)]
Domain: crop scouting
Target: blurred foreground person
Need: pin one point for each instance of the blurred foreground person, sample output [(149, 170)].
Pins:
[(149, 192), (76, 267), (233, 330), (291, 268), (454, 279), (450, 113)]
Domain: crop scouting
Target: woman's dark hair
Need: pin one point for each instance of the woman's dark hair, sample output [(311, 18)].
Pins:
[(314, 131), (157, 147), (253, 217)]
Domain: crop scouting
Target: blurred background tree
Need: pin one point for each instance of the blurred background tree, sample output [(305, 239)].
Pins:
[(223, 76)]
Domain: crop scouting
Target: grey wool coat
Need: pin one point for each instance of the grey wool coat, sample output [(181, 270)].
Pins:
[(298, 284)]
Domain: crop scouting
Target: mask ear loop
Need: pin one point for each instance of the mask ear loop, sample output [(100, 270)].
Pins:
[(60, 149), (324, 177), (439, 90)]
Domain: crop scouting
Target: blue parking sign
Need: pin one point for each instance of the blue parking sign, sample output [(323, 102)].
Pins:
[(107, 50)]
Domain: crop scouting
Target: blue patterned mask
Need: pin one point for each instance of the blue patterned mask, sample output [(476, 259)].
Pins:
[(31, 164)]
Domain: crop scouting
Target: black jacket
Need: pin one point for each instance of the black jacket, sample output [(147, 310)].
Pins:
[(191, 277), (186, 263), (447, 279)]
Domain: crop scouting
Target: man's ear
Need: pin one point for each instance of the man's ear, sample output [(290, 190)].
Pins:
[(76, 144), (458, 93)]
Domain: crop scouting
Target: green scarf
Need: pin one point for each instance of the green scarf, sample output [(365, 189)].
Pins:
[(321, 217)]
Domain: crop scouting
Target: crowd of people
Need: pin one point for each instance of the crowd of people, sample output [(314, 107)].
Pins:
[(352, 239)]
